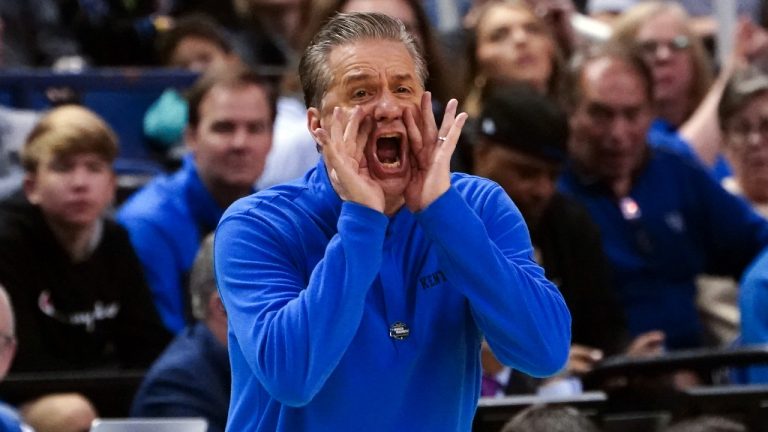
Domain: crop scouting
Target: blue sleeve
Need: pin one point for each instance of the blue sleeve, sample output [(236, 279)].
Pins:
[(293, 335), (488, 255), (161, 268), (753, 303), (10, 421)]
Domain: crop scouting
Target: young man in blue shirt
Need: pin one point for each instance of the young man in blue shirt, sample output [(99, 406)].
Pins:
[(231, 114), (359, 295)]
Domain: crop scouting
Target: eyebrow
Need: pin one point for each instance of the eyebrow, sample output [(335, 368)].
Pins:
[(403, 76), (355, 78), (361, 77)]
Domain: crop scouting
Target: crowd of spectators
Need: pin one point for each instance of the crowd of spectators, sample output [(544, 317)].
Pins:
[(639, 163)]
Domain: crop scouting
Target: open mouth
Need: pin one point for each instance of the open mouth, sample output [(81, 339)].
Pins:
[(388, 150)]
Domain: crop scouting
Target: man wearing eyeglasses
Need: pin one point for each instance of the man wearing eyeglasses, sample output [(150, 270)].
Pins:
[(663, 219)]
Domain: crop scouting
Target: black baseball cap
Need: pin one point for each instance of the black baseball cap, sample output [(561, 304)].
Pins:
[(521, 118)]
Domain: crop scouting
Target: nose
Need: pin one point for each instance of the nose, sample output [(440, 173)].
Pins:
[(79, 177), (619, 128), (620, 131), (240, 137), (663, 52), (519, 35), (387, 107)]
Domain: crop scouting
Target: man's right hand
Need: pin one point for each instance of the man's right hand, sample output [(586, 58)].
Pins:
[(582, 359), (343, 146), (648, 344)]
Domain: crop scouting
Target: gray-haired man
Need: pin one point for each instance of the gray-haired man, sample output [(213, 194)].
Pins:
[(358, 296)]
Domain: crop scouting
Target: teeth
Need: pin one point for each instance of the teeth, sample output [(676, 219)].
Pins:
[(395, 164)]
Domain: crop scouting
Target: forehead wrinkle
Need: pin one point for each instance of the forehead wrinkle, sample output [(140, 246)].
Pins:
[(403, 76), (356, 76)]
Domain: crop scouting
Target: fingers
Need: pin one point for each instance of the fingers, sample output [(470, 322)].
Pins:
[(413, 131), (586, 352), (647, 344), (452, 137), (344, 143), (347, 135), (362, 136), (449, 117), (582, 359), (330, 140), (427, 120), (356, 133)]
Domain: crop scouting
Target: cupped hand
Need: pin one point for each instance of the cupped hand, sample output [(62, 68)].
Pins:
[(343, 144), (430, 151)]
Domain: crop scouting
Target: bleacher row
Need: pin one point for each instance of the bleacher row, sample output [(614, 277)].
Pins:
[(616, 411)]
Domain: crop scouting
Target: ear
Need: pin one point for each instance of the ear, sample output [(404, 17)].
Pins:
[(216, 307), (190, 138), (30, 188), (313, 122)]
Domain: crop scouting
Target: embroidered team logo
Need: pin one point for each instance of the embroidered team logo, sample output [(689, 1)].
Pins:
[(432, 280)]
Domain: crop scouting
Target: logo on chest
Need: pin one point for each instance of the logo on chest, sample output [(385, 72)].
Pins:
[(432, 280), (87, 318)]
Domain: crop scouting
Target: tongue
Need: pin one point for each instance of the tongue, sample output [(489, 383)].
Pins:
[(387, 151)]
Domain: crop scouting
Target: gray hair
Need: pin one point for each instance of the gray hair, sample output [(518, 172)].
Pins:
[(740, 90), (610, 50), (202, 280), (345, 29), (550, 418)]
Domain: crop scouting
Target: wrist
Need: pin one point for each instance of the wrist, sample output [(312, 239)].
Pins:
[(435, 194)]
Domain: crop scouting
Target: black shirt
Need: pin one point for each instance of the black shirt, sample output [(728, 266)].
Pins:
[(75, 315)]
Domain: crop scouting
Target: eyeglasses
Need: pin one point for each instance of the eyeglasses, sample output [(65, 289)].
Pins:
[(651, 47), (739, 133)]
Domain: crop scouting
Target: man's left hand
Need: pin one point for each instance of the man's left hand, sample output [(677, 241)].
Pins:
[(431, 151)]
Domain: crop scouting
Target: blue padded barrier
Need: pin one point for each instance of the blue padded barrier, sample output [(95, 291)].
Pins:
[(120, 95)]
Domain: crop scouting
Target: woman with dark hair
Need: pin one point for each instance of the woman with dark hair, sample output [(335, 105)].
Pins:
[(508, 44), (511, 43)]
